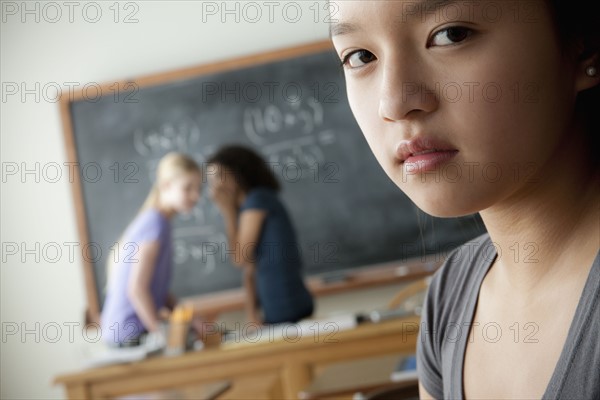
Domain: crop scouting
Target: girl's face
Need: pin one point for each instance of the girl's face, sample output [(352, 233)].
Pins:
[(182, 192), (462, 102), (221, 177)]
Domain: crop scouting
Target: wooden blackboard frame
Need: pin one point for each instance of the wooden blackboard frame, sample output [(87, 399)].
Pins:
[(68, 97)]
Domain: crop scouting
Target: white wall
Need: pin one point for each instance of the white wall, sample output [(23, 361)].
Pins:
[(168, 35)]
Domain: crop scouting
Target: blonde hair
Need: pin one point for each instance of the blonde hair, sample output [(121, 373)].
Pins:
[(170, 166)]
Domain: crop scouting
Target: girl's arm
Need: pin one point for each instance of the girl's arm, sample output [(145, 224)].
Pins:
[(243, 235), (139, 285), (243, 238), (251, 301)]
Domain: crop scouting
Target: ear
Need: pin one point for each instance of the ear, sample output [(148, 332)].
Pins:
[(584, 80)]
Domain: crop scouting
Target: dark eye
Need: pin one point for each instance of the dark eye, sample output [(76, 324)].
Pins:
[(450, 36), (358, 58)]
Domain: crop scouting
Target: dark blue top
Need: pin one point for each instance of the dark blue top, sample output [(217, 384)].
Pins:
[(279, 284)]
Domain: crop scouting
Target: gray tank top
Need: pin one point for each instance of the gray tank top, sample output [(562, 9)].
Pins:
[(448, 312)]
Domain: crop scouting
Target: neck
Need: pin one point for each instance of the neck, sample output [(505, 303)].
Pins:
[(547, 233)]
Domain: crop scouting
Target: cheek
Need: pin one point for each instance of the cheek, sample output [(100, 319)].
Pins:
[(364, 104), (517, 115), (179, 196)]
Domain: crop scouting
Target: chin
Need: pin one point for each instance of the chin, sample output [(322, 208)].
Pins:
[(442, 201), (445, 210), (184, 210)]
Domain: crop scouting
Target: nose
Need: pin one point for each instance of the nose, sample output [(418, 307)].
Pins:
[(404, 93)]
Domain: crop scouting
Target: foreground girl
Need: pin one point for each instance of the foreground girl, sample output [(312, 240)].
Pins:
[(492, 107)]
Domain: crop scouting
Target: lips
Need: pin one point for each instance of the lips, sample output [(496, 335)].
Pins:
[(423, 154), (426, 152)]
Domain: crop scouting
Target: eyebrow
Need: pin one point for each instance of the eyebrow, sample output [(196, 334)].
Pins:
[(343, 28)]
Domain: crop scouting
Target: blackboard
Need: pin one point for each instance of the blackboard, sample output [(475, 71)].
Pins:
[(291, 106)]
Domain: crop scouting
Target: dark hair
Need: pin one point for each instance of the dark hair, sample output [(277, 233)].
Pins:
[(578, 28), (248, 168)]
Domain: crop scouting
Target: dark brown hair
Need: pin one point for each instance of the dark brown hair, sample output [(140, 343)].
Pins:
[(578, 28), (248, 167)]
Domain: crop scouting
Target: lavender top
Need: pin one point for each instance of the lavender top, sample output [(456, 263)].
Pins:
[(119, 320)]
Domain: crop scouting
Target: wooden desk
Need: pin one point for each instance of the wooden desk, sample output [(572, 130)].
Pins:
[(342, 380), (290, 362)]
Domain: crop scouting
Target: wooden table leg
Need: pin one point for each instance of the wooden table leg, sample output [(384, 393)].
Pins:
[(296, 377), (78, 392)]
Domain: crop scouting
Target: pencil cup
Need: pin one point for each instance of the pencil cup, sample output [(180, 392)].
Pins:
[(179, 326)]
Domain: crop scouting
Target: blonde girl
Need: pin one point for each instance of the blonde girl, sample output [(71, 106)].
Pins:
[(139, 283)]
